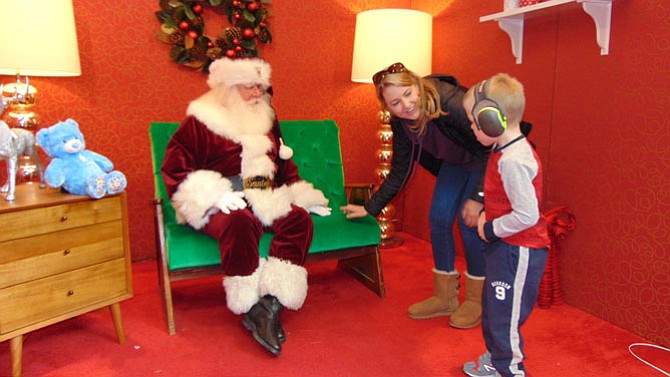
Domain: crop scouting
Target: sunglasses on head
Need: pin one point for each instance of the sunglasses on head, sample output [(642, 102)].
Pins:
[(393, 68)]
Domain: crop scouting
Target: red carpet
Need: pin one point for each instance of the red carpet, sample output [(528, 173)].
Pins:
[(343, 330)]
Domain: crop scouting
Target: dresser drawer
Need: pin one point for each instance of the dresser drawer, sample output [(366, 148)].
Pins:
[(48, 254), (35, 221), (25, 304)]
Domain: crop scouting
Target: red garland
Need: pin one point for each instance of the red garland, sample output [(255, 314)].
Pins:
[(560, 221)]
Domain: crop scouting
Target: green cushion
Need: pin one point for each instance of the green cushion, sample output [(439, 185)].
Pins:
[(316, 146)]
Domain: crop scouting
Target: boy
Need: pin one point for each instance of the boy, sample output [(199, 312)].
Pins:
[(511, 224)]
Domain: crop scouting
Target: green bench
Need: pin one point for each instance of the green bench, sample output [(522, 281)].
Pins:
[(183, 253)]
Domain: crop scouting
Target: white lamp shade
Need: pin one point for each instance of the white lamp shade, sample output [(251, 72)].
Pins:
[(387, 36), (38, 38)]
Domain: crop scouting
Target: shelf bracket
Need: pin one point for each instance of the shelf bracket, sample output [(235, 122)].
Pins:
[(601, 12), (513, 26)]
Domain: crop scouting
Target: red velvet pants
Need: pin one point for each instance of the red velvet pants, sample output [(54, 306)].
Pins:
[(239, 232)]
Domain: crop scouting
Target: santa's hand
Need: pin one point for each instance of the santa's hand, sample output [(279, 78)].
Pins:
[(231, 201), (320, 210)]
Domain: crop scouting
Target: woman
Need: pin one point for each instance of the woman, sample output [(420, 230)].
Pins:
[(430, 125)]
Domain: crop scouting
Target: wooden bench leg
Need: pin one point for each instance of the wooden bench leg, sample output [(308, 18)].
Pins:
[(16, 351), (167, 303), (367, 269), (164, 281)]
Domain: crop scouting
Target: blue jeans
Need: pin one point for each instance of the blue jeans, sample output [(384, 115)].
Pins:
[(452, 189)]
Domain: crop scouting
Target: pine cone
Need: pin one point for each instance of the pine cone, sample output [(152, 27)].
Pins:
[(264, 35), (197, 52), (232, 32), (177, 37), (222, 43)]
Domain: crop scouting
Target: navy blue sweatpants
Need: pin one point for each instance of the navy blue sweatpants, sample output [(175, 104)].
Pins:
[(513, 275)]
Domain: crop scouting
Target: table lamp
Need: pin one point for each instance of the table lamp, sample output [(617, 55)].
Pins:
[(38, 38), (384, 37)]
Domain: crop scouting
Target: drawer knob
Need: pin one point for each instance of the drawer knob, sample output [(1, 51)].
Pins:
[(63, 218), (66, 252), (70, 293)]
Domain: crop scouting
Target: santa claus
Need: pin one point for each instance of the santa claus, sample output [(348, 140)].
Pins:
[(229, 175)]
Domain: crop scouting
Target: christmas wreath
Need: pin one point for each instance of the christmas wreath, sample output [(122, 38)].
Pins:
[(183, 27)]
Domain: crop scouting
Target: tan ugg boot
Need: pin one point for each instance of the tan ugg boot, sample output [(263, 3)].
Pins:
[(444, 300), (469, 314)]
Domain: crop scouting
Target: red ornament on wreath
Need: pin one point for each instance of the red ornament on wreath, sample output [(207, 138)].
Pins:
[(248, 33), (183, 27)]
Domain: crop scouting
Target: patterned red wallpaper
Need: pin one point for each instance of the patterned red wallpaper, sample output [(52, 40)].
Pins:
[(601, 131), (599, 121)]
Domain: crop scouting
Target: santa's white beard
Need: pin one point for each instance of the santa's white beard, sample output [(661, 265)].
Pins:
[(254, 117)]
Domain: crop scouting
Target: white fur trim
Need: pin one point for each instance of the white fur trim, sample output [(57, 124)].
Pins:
[(467, 275), (440, 272), (286, 281), (285, 152), (255, 160), (304, 194), (269, 205), (230, 123), (197, 195), (231, 72), (242, 292)]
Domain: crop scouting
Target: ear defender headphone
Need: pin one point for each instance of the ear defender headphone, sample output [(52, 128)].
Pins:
[(486, 113)]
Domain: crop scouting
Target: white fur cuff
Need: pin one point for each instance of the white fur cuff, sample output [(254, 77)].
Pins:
[(304, 194), (242, 291), (286, 281), (197, 194)]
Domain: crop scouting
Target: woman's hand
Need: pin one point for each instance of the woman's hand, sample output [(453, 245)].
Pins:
[(353, 211), (470, 212)]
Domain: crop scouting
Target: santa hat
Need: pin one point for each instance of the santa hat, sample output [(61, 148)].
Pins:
[(231, 72)]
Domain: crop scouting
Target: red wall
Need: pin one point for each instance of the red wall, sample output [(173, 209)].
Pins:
[(599, 122), (602, 134)]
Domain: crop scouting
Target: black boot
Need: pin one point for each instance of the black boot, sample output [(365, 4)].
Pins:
[(262, 320), (281, 335), (277, 308)]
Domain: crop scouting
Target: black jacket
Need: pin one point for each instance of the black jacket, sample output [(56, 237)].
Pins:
[(455, 125)]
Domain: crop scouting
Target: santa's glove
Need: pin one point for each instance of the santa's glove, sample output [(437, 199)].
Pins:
[(320, 210), (231, 201)]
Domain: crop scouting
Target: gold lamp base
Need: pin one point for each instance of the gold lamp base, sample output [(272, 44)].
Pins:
[(384, 154), (20, 100)]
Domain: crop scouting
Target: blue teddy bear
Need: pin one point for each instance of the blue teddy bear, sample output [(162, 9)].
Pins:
[(77, 170)]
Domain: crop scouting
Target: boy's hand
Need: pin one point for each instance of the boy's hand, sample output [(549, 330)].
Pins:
[(480, 226), (470, 212), (353, 211)]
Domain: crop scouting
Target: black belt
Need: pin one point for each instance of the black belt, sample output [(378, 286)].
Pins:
[(257, 182)]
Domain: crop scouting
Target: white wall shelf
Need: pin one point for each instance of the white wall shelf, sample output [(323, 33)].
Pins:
[(511, 21)]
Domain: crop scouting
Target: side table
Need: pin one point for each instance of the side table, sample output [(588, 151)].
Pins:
[(61, 256)]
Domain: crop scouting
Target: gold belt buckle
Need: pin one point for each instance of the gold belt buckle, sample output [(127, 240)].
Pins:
[(257, 182)]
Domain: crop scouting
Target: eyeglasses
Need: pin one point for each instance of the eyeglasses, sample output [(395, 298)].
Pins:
[(393, 68)]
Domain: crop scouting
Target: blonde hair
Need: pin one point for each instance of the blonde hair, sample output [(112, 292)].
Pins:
[(429, 97), (508, 93)]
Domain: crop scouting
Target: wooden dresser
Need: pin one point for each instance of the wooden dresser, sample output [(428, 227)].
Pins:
[(61, 256)]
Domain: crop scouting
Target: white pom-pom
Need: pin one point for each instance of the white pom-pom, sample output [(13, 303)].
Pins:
[(285, 152)]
